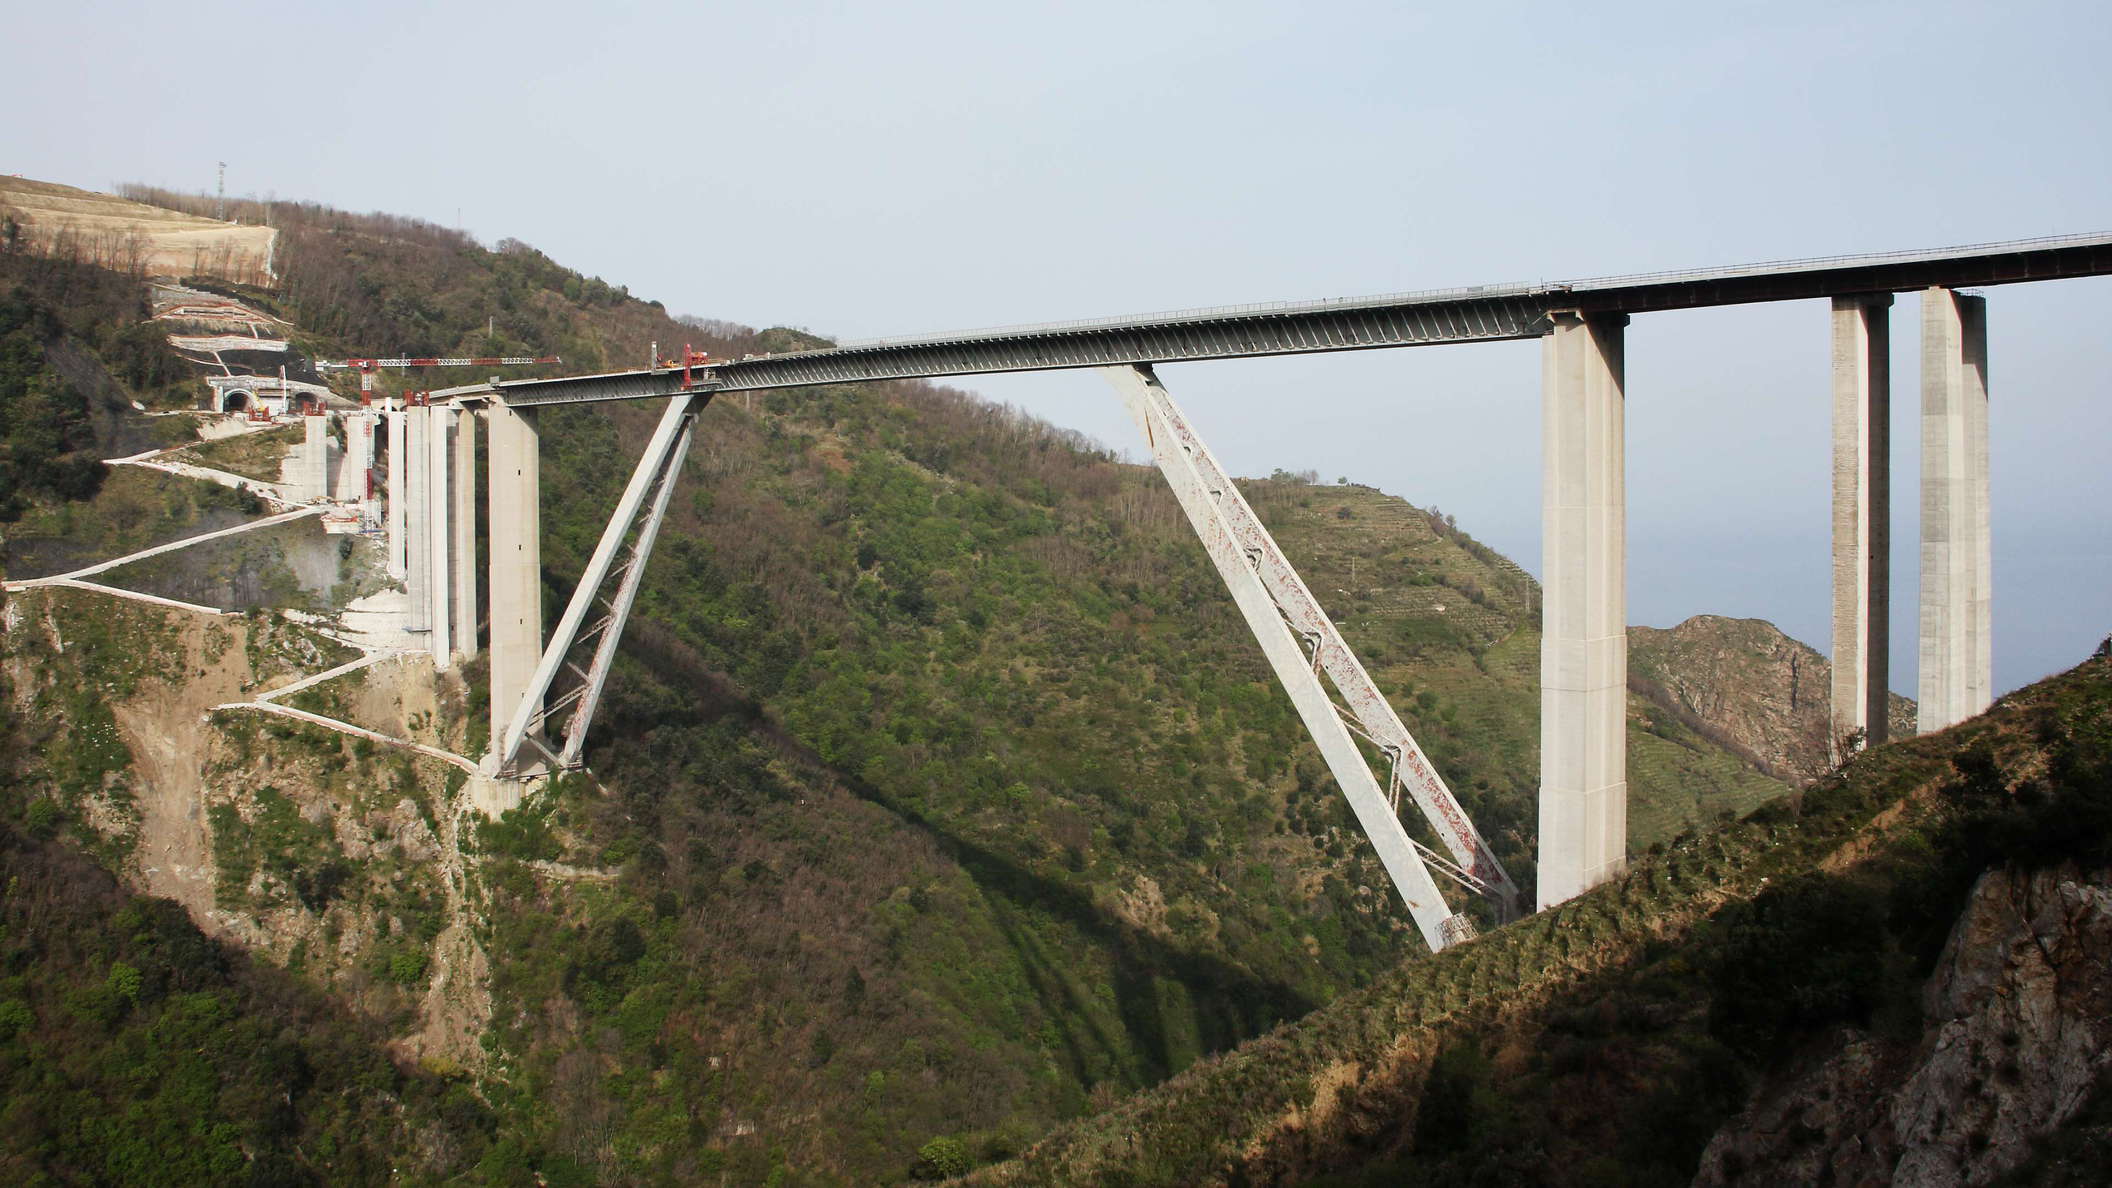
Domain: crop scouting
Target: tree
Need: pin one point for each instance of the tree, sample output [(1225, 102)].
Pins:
[(943, 1158)]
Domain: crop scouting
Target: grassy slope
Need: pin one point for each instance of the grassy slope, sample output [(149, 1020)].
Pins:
[(1601, 1043)]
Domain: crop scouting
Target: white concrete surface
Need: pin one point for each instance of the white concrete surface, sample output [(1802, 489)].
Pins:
[(1956, 678), (315, 457), (516, 583), (372, 624), (1584, 639), (418, 515), (1862, 511), (399, 567), (1213, 507), (439, 452), (464, 522), (355, 475)]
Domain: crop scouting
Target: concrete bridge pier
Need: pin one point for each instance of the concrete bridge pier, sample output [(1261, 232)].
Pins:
[(1862, 513), (463, 519), (439, 538), (1584, 607), (315, 455), (418, 516), (359, 469), (398, 497), (1957, 671), (516, 562)]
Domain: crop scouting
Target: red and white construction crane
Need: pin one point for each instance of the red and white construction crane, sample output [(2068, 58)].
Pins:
[(367, 367)]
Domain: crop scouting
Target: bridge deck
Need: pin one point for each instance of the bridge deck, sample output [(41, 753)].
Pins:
[(1482, 313)]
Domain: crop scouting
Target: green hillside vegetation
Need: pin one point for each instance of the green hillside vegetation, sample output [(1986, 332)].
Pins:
[(365, 285), (252, 455), (1604, 1042), (74, 350), (132, 509), (1011, 646), (134, 1050), (939, 796)]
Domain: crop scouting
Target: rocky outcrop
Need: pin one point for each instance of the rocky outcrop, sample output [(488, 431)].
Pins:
[(1744, 684), (2016, 1040)]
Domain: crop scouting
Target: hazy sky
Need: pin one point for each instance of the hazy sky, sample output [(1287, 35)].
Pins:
[(867, 170)]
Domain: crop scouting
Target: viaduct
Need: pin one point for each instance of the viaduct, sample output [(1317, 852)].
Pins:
[(543, 691)]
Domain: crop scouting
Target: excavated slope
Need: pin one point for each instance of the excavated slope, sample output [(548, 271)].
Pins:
[(133, 237)]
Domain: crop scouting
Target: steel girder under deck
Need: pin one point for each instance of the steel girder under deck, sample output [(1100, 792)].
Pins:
[(1480, 313), (643, 506), (1302, 644)]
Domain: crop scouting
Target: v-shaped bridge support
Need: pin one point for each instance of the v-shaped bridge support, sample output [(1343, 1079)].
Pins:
[(605, 593), (1301, 644)]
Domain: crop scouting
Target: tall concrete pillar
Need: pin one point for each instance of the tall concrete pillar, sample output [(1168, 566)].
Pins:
[(1584, 616), (1956, 679), (1862, 517), (516, 560), (418, 515), (464, 522), (398, 497), (1980, 621), (370, 430), (439, 539), (315, 456), (356, 479)]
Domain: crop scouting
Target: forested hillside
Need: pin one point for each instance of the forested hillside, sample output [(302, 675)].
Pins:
[(75, 349), (134, 1050), (381, 285), (939, 797)]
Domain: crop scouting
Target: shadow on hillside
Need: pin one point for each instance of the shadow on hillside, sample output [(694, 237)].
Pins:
[(1172, 1003)]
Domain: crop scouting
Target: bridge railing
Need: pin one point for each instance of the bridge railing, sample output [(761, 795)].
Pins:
[(1473, 292)]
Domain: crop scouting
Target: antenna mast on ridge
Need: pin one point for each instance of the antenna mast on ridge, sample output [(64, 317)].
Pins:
[(220, 195)]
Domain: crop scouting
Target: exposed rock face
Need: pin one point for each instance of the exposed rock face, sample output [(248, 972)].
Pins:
[(1750, 686), (2017, 1037)]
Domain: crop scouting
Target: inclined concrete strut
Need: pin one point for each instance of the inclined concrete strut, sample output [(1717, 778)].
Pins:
[(1584, 608), (1862, 519), (1956, 678), (609, 631), (527, 710), (1281, 611)]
